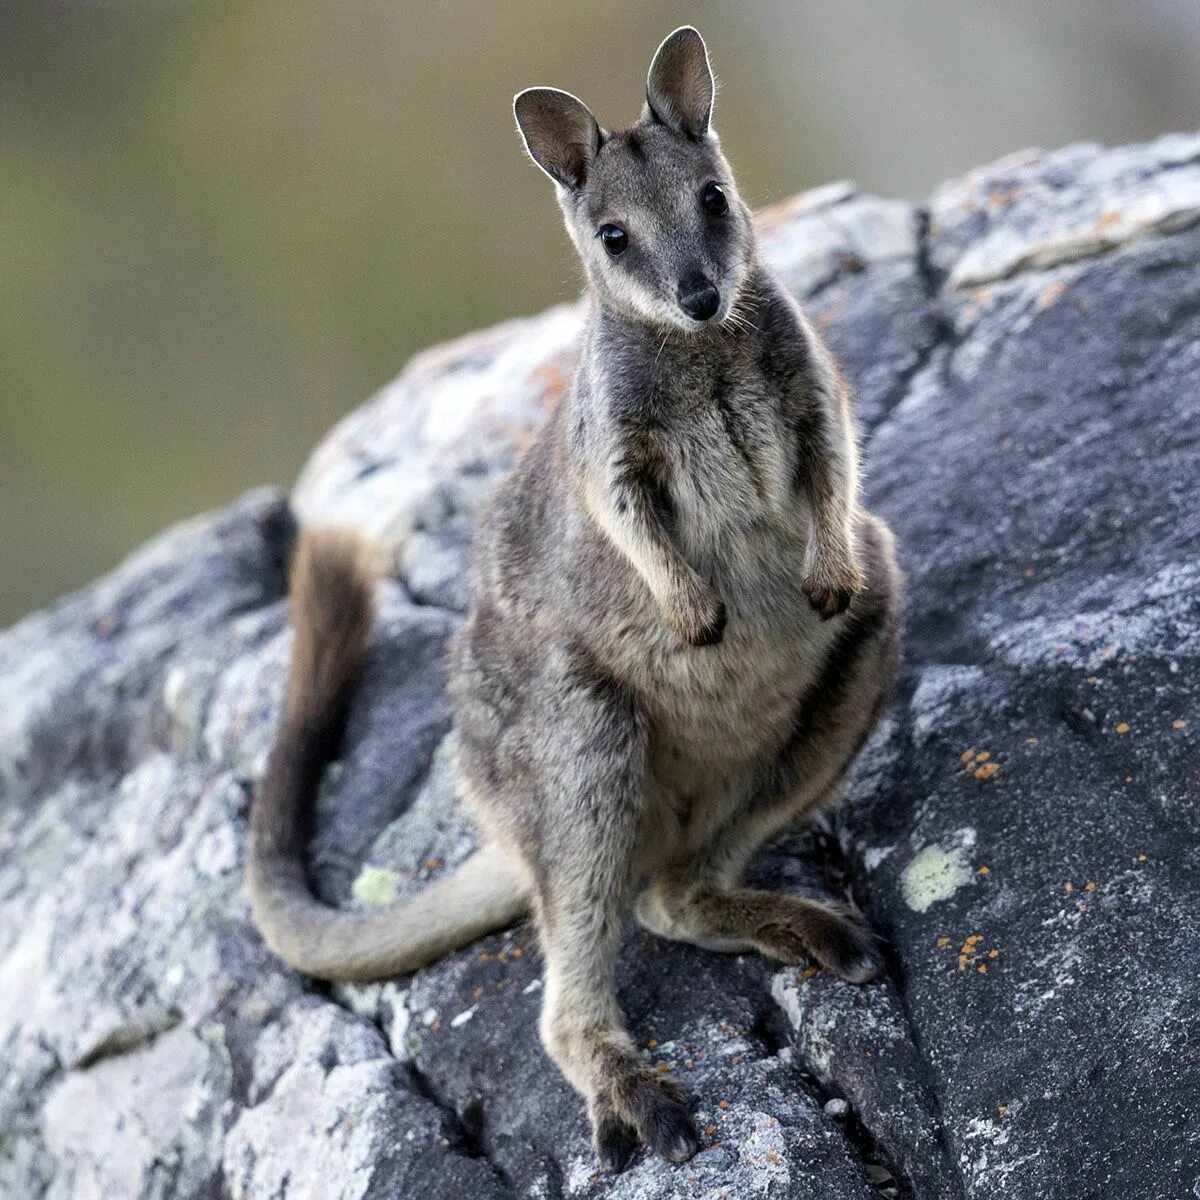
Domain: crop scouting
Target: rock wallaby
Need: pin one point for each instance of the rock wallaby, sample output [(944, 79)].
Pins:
[(683, 623)]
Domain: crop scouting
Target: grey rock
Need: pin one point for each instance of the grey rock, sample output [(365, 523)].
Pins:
[(1026, 350)]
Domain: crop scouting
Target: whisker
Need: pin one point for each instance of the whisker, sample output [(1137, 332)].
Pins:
[(662, 346)]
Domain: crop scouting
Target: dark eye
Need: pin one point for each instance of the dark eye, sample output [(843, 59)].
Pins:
[(713, 199), (614, 238)]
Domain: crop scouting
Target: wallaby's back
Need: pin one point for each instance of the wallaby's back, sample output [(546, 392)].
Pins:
[(333, 612)]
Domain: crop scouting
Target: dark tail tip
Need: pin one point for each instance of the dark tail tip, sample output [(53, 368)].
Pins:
[(333, 612)]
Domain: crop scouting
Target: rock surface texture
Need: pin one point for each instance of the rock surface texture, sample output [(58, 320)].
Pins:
[(1022, 831)]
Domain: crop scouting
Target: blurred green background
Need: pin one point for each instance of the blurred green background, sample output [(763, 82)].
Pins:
[(222, 225)]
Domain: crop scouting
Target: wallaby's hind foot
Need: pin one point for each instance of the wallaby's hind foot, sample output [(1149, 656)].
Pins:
[(809, 929), (616, 1141), (792, 929), (650, 1103), (658, 1117)]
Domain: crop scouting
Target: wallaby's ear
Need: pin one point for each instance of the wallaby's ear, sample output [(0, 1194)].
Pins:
[(560, 133), (680, 87)]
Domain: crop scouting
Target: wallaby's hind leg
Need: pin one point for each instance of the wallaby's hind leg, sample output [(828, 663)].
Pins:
[(584, 1032), (792, 929), (700, 901), (590, 770)]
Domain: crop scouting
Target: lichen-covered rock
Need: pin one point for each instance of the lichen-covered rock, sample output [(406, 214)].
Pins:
[(1026, 350)]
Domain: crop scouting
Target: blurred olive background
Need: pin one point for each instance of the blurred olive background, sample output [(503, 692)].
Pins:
[(222, 225)]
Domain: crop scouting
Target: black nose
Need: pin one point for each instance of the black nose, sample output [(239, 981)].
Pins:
[(699, 299)]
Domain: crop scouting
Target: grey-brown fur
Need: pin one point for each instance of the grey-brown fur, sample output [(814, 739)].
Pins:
[(683, 624)]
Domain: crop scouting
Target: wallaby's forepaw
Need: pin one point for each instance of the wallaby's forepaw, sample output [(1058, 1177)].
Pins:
[(648, 1108), (700, 621), (830, 936), (832, 593)]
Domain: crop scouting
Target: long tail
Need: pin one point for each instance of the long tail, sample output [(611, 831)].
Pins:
[(333, 611)]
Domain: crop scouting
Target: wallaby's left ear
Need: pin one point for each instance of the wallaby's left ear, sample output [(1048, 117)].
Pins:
[(680, 88), (560, 133)]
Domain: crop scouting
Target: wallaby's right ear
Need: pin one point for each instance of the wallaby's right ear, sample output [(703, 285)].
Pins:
[(560, 133)]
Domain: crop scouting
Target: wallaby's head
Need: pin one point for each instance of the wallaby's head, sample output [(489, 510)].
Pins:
[(653, 209)]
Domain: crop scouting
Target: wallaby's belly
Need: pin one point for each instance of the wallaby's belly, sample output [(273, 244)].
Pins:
[(720, 713)]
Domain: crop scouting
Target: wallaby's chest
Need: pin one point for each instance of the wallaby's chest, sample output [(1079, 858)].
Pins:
[(729, 465), (742, 523), (729, 458)]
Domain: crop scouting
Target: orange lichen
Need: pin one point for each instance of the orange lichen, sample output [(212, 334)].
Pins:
[(943, 941), (985, 870), (1122, 727), (433, 863), (987, 770), (1089, 887), (1068, 888), (1051, 295), (1181, 724)]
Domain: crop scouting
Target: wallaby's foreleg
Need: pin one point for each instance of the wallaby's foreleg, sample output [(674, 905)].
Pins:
[(829, 467), (591, 767), (628, 499)]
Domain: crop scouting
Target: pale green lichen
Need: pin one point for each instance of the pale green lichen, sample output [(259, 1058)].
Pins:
[(935, 874), (376, 886)]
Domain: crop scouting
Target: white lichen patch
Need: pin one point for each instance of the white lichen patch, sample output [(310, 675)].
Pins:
[(376, 887), (938, 871), (463, 1017), (875, 855)]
